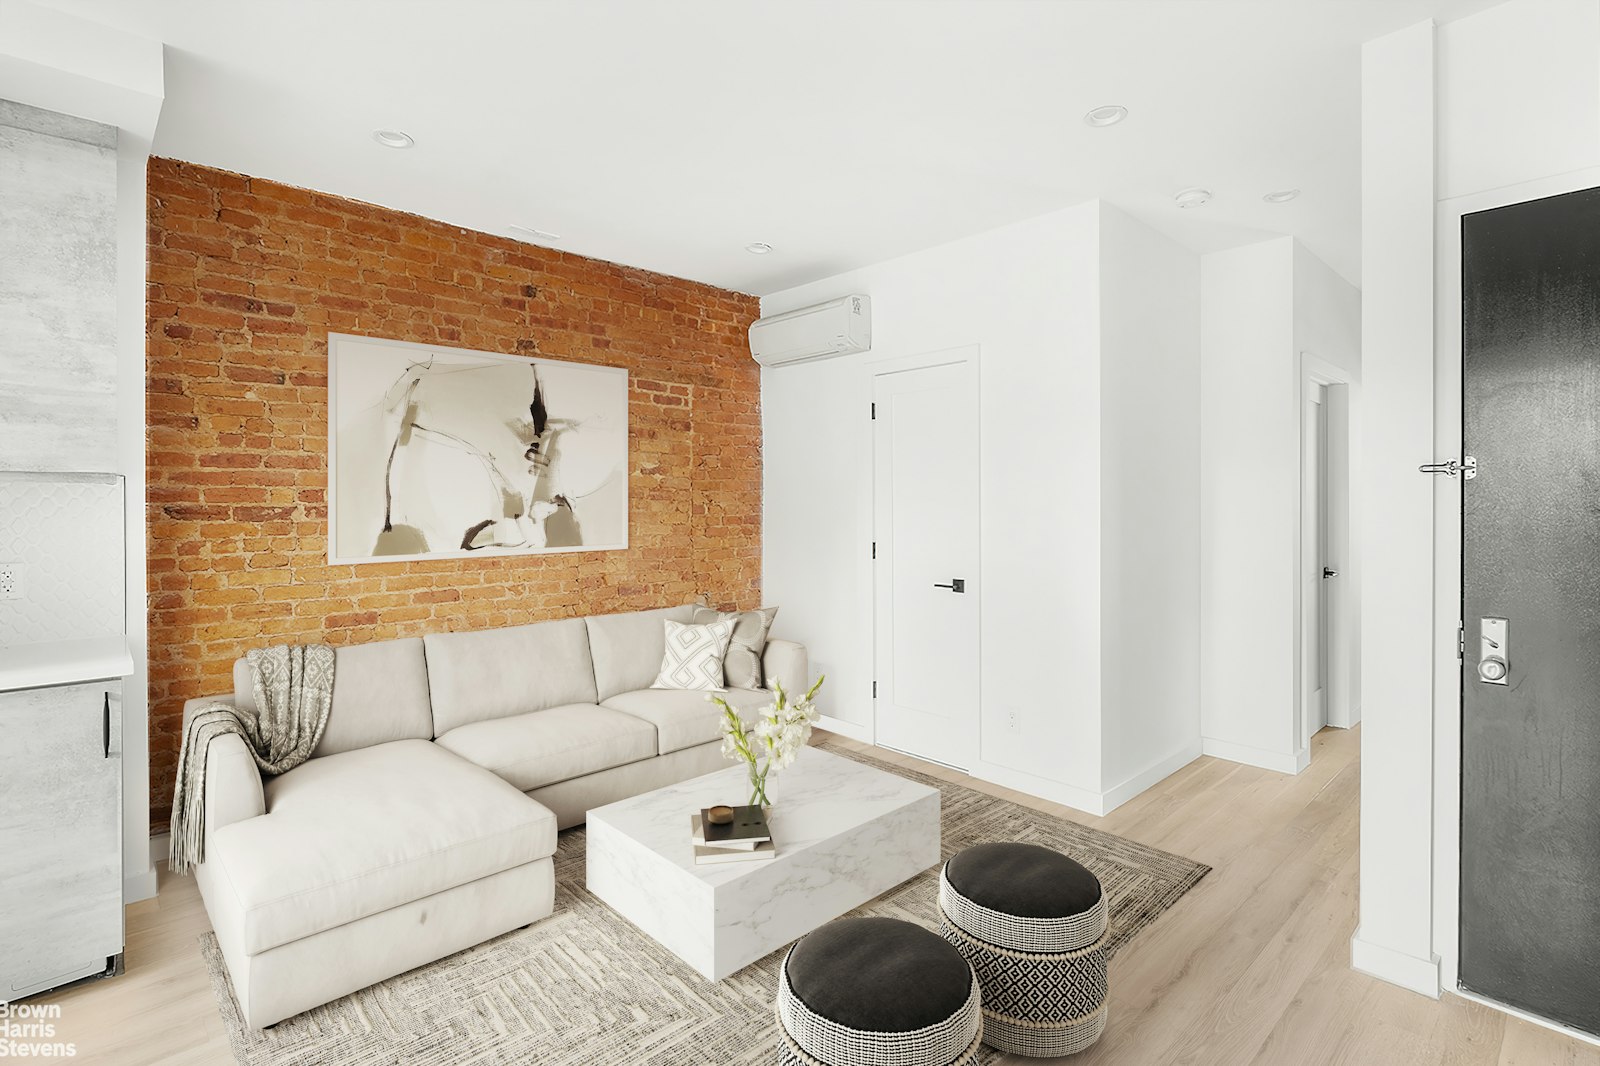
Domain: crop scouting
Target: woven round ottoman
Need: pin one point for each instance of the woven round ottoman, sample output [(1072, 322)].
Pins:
[(877, 992), (1032, 923)]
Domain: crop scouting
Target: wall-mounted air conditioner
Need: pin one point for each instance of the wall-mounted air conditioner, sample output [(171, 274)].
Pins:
[(838, 327)]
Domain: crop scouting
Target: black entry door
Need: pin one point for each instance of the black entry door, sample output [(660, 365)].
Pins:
[(1530, 748)]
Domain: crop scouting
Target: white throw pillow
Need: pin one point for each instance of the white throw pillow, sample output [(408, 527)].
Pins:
[(694, 656)]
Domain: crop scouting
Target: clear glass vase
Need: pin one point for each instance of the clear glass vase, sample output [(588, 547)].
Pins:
[(758, 786)]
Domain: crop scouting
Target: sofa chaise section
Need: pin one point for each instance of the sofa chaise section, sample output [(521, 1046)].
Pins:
[(369, 859)]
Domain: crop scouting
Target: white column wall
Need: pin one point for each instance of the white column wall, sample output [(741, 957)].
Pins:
[(1249, 504), (1394, 939), (1149, 505)]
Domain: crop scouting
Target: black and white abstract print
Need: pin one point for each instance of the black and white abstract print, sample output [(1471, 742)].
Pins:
[(442, 452)]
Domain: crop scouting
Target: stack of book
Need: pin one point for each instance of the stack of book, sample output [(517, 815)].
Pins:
[(745, 839)]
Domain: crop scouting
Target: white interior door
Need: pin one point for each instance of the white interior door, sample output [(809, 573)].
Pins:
[(1314, 561), (925, 527)]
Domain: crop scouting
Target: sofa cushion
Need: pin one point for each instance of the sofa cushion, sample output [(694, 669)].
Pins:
[(360, 832), (683, 717), (496, 673), (627, 648), (380, 693), (555, 744)]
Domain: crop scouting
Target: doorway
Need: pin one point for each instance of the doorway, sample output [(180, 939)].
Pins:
[(1327, 607), (925, 557), (1316, 570)]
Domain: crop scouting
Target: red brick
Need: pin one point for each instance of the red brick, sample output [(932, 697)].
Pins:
[(247, 278)]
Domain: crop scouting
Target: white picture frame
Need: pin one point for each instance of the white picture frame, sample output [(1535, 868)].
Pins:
[(433, 451)]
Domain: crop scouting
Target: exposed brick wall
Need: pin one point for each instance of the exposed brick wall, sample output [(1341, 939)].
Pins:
[(248, 278)]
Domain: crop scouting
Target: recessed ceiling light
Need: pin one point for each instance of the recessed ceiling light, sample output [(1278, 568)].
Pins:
[(758, 247), (530, 233), (1282, 196), (1195, 197), (393, 138), (1107, 115)]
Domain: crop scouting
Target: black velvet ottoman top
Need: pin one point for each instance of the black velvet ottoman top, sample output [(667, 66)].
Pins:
[(1026, 880), (879, 975)]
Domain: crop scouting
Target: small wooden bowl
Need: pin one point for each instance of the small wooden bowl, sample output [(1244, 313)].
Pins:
[(720, 814)]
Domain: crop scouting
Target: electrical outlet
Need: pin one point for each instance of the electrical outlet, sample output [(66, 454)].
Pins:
[(10, 581), (1014, 720)]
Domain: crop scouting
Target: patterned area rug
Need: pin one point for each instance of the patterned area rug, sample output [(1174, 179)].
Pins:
[(584, 987)]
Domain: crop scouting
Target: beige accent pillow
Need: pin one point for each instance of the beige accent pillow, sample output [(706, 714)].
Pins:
[(741, 667)]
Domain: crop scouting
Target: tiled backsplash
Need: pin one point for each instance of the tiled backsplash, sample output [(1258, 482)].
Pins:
[(61, 539)]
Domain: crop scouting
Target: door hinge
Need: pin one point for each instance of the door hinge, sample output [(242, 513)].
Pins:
[(874, 412), (874, 690), (874, 549), (1461, 642)]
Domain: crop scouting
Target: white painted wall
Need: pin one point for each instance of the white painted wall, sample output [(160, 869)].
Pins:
[(1034, 298), (133, 158), (1149, 505), (1518, 94), (1028, 295), (1249, 503), (1516, 91), (1394, 939)]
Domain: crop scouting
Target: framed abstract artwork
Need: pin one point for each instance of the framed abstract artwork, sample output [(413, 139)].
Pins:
[(445, 453)]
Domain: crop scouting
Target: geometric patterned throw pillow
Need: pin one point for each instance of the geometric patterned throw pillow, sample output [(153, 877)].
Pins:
[(694, 656)]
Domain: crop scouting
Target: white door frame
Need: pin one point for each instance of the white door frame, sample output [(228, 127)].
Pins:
[(970, 355), (1343, 552), (1446, 754)]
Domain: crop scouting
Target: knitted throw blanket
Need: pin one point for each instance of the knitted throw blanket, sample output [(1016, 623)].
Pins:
[(293, 688)]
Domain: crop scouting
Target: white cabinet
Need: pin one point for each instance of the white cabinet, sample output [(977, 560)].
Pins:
[(60, 835)]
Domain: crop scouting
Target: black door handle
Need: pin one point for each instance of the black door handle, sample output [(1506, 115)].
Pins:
[(105, 726), (956, 585)]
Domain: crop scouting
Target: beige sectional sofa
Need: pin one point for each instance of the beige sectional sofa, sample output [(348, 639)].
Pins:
[(426, 820)]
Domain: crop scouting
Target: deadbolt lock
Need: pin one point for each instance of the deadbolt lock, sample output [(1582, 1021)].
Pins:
[(1493, 651)]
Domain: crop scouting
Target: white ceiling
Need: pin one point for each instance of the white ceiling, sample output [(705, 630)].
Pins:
[(668, 134)]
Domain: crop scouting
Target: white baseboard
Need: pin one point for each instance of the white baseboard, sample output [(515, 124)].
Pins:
[(141, 884), (852, 730), (1115, 797), (138, 886), (1079, 799), (1282, 761), (1396, 967)]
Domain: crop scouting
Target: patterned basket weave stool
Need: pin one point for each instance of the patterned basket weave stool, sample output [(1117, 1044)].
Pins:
[(877, 992), (1032, 923)]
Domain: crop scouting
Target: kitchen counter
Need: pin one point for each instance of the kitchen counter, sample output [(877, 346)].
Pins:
[(64, 662)]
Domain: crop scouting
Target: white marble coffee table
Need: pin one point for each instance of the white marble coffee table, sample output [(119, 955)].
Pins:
[(845, 833)]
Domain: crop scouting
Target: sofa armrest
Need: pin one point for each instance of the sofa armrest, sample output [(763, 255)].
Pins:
[(785, 661), (233, 781)]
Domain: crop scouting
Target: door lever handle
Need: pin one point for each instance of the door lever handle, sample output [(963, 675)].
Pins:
[(956, 585)]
